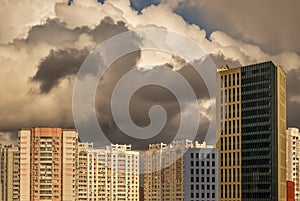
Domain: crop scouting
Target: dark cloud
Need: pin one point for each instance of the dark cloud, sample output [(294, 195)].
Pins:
[(65, 62), (56, 33), (52, 32), (144, 99), (57, 65)]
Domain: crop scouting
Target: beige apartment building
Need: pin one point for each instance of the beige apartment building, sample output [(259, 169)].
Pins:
[(109, 174), (9, 169), (293, 159), (48, 164)]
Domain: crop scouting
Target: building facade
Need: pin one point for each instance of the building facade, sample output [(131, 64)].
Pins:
[(292, 158), (251, 113), (229, 145), (48, 164), (184, 170), (9, 182), (108, 174), (201, 173)]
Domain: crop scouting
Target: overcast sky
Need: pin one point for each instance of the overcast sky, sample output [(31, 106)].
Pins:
[(43, 44)]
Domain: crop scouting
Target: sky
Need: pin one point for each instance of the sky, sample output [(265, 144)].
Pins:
[(43, 44)]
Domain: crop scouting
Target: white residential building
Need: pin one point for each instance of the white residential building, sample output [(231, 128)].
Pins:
[(108, 174)]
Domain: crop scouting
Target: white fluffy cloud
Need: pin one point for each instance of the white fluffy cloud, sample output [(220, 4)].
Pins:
[(18, 16)]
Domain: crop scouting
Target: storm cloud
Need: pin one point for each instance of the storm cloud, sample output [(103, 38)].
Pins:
[(58, 65)]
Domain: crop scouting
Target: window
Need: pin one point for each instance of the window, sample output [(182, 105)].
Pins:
[(233, 79)]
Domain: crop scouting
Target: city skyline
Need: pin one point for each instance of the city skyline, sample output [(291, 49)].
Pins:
[(98, 171)]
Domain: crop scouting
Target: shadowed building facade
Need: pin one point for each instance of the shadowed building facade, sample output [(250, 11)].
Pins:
[(252, 122)]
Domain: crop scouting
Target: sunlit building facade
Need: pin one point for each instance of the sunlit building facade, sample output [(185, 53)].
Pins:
[(108, 174)]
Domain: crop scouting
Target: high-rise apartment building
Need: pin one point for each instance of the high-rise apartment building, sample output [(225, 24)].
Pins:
[(108, 174), (48, 164), (293, 159), (251, 102), (184, 170), (9, 178)]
